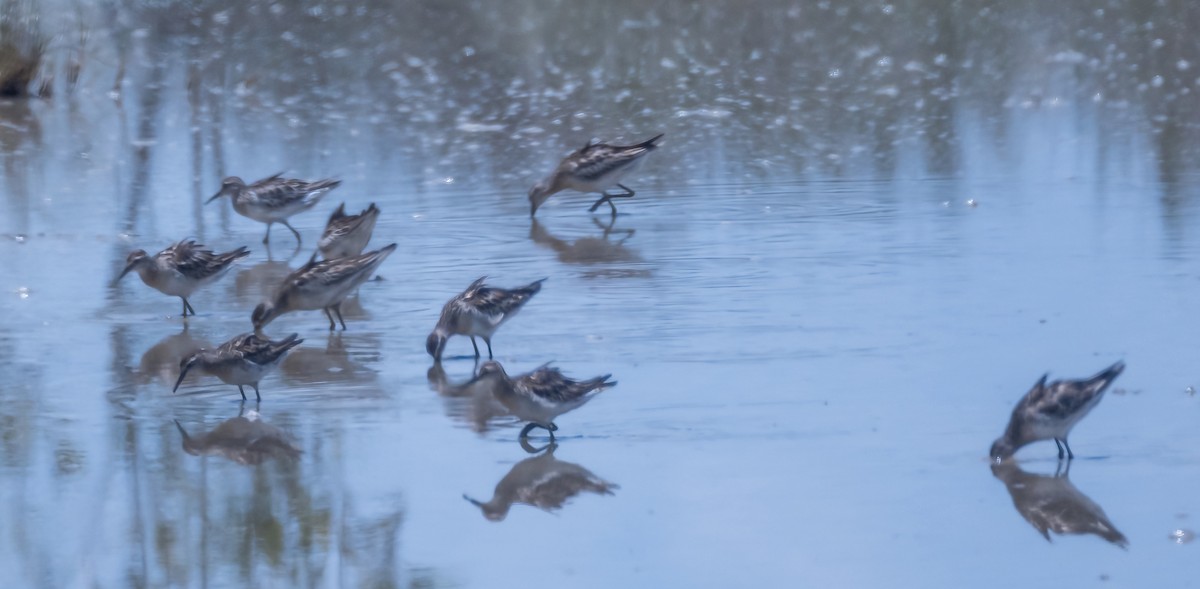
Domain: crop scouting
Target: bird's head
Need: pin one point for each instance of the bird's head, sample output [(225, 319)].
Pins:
[(229, 187), (134, 260), (435, 344)]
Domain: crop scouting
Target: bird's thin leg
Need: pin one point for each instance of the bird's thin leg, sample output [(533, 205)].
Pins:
[(267, 237), (1060, 450), (531, 449), (257, 397), (188, 306), (294, 232), (1070, 454), (184, 306), (338, 309), (242, 408), (332, 325), (243, 392), (628, 193), (525, 430), (488, 341), (605, 228), (1063, 469), (604, 198), (474, 345)]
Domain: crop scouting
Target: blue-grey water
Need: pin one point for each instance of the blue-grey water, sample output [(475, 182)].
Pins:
[(871, 227)]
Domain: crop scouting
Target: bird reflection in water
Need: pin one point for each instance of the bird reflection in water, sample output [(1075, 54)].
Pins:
[(1053, 504), (472, 401), (257, 282), (245, 439), (542, 481), (587, 251), (335, 363), (161, 361)]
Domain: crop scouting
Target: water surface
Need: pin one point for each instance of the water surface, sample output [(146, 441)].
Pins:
[(870, 229)]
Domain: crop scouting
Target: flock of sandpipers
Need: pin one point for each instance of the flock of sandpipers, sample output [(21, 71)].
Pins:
[(537, 397), (1047, 411)]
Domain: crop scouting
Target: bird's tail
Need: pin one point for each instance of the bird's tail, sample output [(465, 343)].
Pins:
[(338, 213), (236, 254), (325, 184), (1107, 376), (317, 190), (531, 289), (288, 343), (651, 143)]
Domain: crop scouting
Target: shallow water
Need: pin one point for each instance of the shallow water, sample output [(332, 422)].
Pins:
[(871, 227)]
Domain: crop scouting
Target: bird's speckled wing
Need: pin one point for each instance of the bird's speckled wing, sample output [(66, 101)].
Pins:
[(341, 226), (595, 161), (193, 261), (328, 273), (276, 192), (1058, 400), (257, 350), (490, 303), (549, 383)]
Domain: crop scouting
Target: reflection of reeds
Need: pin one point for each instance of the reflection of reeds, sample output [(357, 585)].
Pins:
[(22, 47)]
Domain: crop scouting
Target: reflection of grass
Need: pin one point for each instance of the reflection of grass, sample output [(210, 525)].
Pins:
[(22, 48)]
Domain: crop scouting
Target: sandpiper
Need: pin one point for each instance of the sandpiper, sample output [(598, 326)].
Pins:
[(347, 235), (478, 311), (243, 439), (1049, 411), (544, 482), (320, 285), (243, 360), (181, 269), (272, 200), (542, 395), (595, 167), (1053, 504)]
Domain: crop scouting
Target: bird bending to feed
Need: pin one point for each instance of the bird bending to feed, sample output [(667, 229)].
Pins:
[(181, 269), (347, 235), (1049, 411), (1053, 504), (272, 200), (243, 360), (544, 482), (542, 395), (320, 285), (595, 167), (478, 311)]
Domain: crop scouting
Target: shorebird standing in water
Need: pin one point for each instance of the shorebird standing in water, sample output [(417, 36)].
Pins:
[(595, 167), (181, 269), (272, 200), (542, 395), (320, 285), (1049, 411), (478, 311), (243, 360), (347, 235)]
